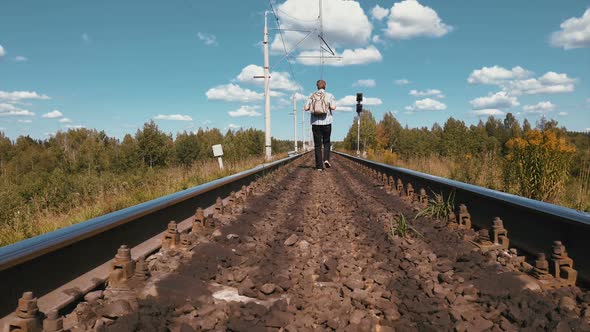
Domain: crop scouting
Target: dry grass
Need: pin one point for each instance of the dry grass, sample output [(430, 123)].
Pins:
[(30, 221)]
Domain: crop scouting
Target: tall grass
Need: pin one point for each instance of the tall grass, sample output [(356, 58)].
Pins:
[(98, 194)]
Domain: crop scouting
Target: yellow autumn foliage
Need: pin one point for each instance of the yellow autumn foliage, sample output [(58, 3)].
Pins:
[(537, 164)]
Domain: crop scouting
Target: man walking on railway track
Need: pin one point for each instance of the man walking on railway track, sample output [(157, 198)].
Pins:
[(321, 104)]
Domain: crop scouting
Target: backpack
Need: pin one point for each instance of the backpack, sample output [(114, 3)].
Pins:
[(318, 104)]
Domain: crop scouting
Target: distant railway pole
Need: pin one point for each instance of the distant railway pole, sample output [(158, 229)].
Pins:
[(295, 120), (267, 138)]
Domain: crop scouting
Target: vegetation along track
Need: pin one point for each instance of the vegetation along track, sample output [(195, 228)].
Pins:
[(309, 251)]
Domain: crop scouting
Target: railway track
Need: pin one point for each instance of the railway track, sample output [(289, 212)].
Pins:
[(303, 250)]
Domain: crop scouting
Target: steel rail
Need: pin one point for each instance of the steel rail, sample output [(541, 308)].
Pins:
[(45, 262), (532, 225)]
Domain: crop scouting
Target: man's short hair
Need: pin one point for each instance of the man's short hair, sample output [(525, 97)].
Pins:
[(321, 84)]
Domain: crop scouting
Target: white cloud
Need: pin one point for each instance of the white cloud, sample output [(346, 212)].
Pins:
[(368, 83), (233, 92), (488, 112), (86, 37), (426, 93), (24, 121), (496, 75), (2, 51), (345, 24), (498, 100), (53, 114), (356, 56), (344, 108), (539, 108), (553, 78), (173, 117), (278, 80), (207, 38), (562, 113), (75, 126), (574, 33), (517, 81), (245, 110), (379, 12), (16, 96), (409, 19), (537, 86), (376, 39), (402, 81), (20, 58), (233, 126), (11, 110), (299, 96), (351, 101), (427, 104), (65, 120)]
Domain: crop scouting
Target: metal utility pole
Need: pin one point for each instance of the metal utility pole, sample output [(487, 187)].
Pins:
[(303, 131), (267, 141), (295, 120)]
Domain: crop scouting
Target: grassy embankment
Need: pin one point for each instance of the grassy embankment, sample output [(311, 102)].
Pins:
[(488, 172), (90, 195)]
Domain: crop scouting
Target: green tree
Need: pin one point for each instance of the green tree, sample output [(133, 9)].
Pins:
[(154, 145)]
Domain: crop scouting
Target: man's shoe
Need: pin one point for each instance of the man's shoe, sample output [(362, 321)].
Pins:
[(327, 164)]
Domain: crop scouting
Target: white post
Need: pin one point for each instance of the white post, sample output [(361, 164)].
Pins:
[(220, 162), (303, 131), (267, 140), (358, 135), (295, 120)]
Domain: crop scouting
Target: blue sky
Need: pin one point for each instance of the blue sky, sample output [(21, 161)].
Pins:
[(113, 65)]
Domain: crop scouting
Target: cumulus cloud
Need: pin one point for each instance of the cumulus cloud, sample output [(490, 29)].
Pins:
[(344, 108), (207, 38), (497, 75), (499, 100), (517, 81), (368, 83), (245, 111), (65, 120), (379, 12), (75, 126), (345, 24), (402, 81), (349, 57), (2, 51), (539, 108), (233, 92), (427, 104), (11, 110), (426, 93), (24, 121), (17, 96), (562, 113), (173, 117), (278, 80), (409, 19), (20, 58), (53, 114), (488, 112), (541, 86), (574, 33), (351, 100), (233, 126)]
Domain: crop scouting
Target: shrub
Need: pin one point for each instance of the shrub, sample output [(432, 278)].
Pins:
[(537, 165)]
